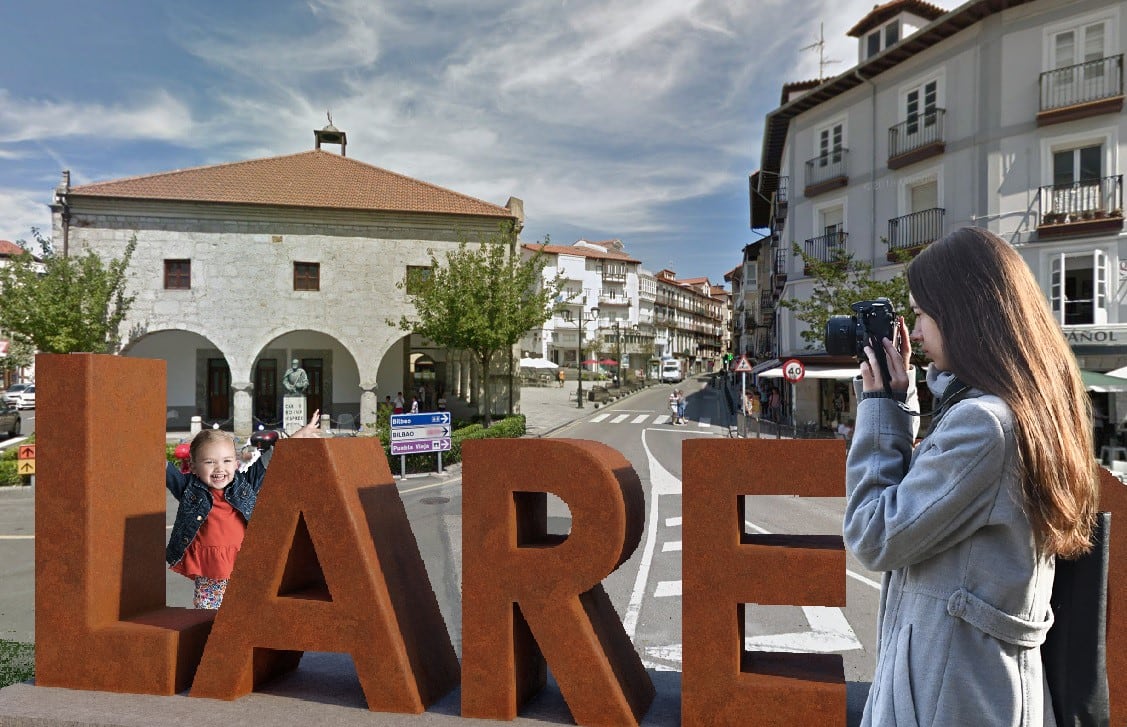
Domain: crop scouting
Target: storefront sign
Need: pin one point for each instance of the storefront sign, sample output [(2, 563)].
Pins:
[(1105, 336)]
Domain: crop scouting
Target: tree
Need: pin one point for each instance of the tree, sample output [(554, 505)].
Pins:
[(838, 283), (482, 299), (65, 304)]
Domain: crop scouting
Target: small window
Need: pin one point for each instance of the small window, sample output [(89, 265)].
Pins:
[(177, 274), (891, 34), (306, 276), (418, 276), (874, 44)]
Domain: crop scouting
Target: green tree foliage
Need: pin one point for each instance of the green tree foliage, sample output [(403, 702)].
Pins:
[(65, 304), (483, 298), (838, 283)]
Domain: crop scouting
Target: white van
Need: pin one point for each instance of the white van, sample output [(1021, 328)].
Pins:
[(671, 371)]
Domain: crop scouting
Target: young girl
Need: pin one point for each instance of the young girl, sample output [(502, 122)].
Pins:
[(216, 500), (968, 524)]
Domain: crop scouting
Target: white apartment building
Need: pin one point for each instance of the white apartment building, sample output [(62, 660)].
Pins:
[(1003, 115), (601, 299)]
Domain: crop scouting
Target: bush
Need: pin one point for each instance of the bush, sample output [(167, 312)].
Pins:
[(17, 662)]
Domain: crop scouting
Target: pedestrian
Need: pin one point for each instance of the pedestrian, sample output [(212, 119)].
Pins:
[(216, 501), (398, 402), (421, 396), (967, 526), (414, 405), (680, 407), (775, 404), (560, 377), (673, 405)]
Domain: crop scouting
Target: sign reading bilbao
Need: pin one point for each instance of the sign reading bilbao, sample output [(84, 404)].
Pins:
[(330, 564)]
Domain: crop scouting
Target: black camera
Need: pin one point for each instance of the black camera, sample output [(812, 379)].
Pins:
[(872, 320)]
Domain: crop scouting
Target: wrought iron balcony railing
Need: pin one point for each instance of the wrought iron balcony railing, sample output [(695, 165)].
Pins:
[(1082, 83), (915, 229)]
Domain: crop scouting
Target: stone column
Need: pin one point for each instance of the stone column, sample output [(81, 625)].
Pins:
[(243, 420), (369, 404)]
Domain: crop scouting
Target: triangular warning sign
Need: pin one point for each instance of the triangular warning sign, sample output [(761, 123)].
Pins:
[(743, 366)]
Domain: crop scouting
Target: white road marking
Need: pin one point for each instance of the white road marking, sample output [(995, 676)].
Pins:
[(671, 546), (704, 423), (640, 418), (618, 419), (663, 419), (671, 653), (17, 537), (662, 482), (830, 632), (672, 522), (599, 417), (667, 589)]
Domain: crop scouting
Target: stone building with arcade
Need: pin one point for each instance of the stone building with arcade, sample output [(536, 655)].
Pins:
[(241, 267)]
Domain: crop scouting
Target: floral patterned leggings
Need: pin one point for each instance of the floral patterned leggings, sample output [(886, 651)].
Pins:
[(209, 592)]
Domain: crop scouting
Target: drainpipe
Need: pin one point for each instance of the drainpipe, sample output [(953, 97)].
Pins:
[(64, 209), (873, 167)]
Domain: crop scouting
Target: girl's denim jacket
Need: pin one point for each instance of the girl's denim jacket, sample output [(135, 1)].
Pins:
[(195, 502)]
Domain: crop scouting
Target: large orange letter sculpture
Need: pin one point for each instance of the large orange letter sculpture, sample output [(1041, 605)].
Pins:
[(100, 618), (723, 568), (528, 596), (330, 564)]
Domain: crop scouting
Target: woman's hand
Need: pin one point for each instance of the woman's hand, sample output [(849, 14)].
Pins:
[(312, 429), (898, 358)]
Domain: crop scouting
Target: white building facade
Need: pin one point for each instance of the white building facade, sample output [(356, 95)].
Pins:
[(1003, 115), (240, 268)]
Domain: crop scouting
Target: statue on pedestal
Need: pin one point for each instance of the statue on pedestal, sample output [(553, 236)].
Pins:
[(296, 381)]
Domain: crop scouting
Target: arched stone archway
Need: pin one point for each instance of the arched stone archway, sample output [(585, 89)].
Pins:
[(198, 376)]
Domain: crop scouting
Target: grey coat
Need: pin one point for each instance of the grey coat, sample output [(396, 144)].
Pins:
[(964, 603)]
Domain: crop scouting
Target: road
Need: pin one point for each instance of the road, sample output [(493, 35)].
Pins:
[(645, 590)]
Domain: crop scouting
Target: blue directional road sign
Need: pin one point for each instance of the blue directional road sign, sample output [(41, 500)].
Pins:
[(414, 446), (418, 420), (427, 432)]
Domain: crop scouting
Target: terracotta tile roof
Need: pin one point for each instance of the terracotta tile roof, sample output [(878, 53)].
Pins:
[(693, 281), (882, 13), (579, 252), (317, 178), (10, 249), (797, 86)]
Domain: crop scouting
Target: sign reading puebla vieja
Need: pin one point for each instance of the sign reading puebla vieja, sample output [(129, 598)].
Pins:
[(330, 564)]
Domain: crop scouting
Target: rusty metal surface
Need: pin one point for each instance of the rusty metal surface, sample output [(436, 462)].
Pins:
[(724, 568), (100, 618), (1113, 499), (531, 599), (330, 564)]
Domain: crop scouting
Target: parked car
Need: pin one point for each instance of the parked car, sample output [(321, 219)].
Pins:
[(12, 395), (27, 398), (9, 419)]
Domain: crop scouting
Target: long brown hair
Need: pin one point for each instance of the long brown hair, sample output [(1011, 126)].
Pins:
[(1000, 337)]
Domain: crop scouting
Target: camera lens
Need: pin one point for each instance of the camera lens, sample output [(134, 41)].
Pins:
[(841, 337)]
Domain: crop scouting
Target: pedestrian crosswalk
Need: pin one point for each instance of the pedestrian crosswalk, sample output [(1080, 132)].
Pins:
[(649, 419)]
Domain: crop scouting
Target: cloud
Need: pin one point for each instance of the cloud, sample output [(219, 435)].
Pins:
[(156, 116), (20, 210)]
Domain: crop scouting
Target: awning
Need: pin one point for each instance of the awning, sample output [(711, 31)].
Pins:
[(826, 372), (1102, 383)]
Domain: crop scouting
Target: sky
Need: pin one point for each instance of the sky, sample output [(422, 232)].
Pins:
[(631, 119)]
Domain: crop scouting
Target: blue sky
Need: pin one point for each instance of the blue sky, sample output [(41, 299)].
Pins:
[(630, 119)]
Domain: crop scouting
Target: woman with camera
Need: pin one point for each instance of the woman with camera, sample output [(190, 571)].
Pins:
[(967, 525)]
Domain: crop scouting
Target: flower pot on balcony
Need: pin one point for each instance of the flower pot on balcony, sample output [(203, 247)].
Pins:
[(1100, 214)]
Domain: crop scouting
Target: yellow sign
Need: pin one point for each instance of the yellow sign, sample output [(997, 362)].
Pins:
[(26, 467)]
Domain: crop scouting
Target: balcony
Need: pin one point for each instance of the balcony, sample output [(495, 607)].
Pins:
[(780, 201), (825, 247), (766, 301), (614, 274), (608, 299), (913, 232), (1082, 90), (916, 139), (829, 171), (779, 274), (1082, 208)]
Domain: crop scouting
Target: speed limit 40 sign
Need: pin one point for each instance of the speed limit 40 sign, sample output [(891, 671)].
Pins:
[(793, 370)]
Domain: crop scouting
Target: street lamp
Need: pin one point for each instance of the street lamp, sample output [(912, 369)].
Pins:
[(579, 349), (618, 352)]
